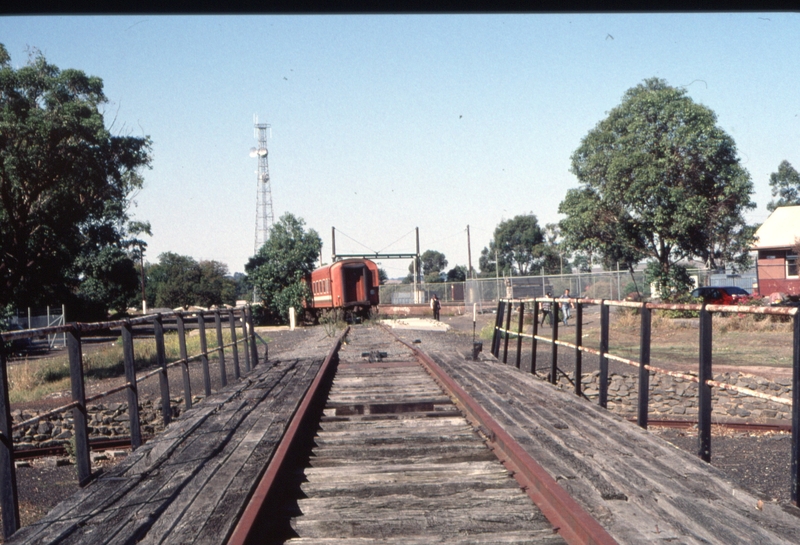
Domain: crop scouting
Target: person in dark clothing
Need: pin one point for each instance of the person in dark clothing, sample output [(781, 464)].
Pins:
[(435, 306), (547, 311)]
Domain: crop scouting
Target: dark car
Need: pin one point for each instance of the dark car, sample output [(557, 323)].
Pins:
[(722, 295)]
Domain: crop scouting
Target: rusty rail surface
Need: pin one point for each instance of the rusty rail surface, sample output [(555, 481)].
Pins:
[(704, 377), (247, 529), (572, 522), (9, 503)]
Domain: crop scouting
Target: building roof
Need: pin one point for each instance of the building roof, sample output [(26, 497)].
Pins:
[(779, 230)]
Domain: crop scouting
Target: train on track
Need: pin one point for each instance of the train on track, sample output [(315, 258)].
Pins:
[(349, 284)]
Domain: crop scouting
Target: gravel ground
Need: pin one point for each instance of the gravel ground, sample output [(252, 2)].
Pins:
[(757, 461)]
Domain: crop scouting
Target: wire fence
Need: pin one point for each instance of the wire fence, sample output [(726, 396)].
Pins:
[(155, 325), (612, 285), (504, 331)]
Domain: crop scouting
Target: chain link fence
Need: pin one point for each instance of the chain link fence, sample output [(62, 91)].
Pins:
[(613, 285)]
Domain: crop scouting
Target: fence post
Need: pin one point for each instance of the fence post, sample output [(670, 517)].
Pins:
[(253, 345), (602, 382), (187, 381), (133, 391), (201, 325), (246, 342), (161, 361), (234, 347), (519, 331), (703, 388), (795, 488), (578, 352), (505, 333), (223, 377), (535, 332), (644, 361), (82, 458), (8, 475), (554, 306), (496, 325)]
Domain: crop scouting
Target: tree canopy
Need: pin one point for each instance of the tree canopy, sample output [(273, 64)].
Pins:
[(278, 269), (659, 180), (431, 264), (785, 185), (519, 244), (180, 281), (65, 185)]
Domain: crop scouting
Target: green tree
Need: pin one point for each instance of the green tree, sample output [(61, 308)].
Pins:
[(65, 183), (785, 185), (215, 286), (109, 279), (457, 274), (519, 243), (658, 180), (173, 281), (431, 264), (383, 276), (279, 267)]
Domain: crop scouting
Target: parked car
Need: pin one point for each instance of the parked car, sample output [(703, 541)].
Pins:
[(722, 295)]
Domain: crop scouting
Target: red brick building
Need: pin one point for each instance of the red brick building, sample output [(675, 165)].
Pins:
[(776, 243)]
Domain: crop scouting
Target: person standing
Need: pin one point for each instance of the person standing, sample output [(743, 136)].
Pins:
[(566, 305), (547, 310), (435, 306)]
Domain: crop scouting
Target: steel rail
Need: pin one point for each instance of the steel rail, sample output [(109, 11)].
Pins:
[(568, 518), (246, 530)]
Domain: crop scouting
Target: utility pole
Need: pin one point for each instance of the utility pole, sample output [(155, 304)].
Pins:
[(469, 255)]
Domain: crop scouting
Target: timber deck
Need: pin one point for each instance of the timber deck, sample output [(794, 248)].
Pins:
[(190, 484), (397, 463), (639, 487)]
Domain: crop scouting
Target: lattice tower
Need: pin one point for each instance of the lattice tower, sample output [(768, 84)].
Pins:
[(264, 214)]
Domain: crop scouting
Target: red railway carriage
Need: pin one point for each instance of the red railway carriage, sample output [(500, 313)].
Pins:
[(351, 284)]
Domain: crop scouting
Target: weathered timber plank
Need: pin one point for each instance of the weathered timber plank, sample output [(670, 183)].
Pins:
[(151, 463), (219, 504), (414, 522), (527, 537), (248, 421), (670, 494)]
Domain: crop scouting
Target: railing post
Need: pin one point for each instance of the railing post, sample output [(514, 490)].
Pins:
[(602, 382), (81, 433), (223, 377), (535, 332), (253, 345), (704, 389), (246, 342), (201, 325), (505, 333), (795, 487), (187, 380), (554, 347), (133, 390), (519, 331), (8, 475), (578, 352), (161, 361), (644, 373), (497, 321), (234, 347)]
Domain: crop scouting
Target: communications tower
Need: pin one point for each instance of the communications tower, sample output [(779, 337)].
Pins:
[(264, 215)]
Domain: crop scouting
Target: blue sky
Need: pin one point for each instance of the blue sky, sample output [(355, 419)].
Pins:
[(384, 123)]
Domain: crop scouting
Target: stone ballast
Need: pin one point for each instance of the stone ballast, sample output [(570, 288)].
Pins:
[(106, 421), (675, 398)]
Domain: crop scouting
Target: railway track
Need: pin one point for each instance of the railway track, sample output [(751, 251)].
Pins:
[(389, 457)]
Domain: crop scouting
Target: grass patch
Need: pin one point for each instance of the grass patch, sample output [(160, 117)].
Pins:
[(30, 380)]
